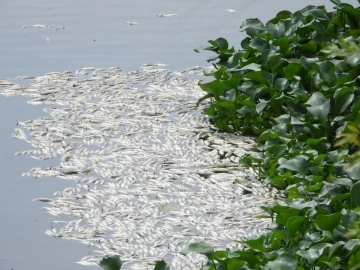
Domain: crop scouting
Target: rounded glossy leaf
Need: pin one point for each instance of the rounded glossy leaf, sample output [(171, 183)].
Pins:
[(252, 66), (200, 247), (328, 222), (253, 23), (293, 69), (351, 244), (276, 30), (308, 62), (111, 263), (282, 83), (283, 262), (161, 265), (234, 264), (261, 106), (257, 244), (220, 42), (245, 43), (297, 224), (284, 14), (311, 255), (297, 164), (262, 77), (259, 44), (317, 13), (354, 172), (319, 107), (310, 47), (335, 247), (343, 102), (355, 194), (283, 216), (352, 12), (214, 88), (276, 62), (327, 71)]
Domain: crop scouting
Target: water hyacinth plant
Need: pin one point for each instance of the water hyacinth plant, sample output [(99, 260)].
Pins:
[(295, 84)]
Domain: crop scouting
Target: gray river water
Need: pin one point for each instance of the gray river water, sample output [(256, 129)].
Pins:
[(95, 34)]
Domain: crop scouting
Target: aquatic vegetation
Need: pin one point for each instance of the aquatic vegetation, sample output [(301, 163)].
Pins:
[(295, 85), (111, 263)]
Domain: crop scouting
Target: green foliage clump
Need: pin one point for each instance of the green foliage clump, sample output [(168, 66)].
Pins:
[(295, 84), (115, 263)]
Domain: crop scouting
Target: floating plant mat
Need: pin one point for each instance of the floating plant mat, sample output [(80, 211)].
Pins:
[(151, 174)]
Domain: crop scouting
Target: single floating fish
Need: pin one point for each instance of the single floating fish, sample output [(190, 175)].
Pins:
[(132, 23), (166, 15), (57, 27), (231, 10)]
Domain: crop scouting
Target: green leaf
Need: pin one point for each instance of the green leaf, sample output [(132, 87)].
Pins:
[(111, 263), (319, 107), (283, 43), (283, 216), (215, 88), (257, 244), (319, 14), (285, 261), (252, 66), (247, 256), (297, 164), (279, 150), (217, 74), (229, 95), (311, 47), (234, 264), (276, 62), (161, 265), (311, 255), (355, 194), (228, 105), (276, 30), (335, 247), (221, 43), (305, 244), (343, 102), (307, 63), (261, 77), (205, 48), (70, 172), (200, 247), (261, 106), (354, 172), (259, 44), (203, 98), (232, 82), (327, 71), (354, 14), (282, 83), (253, 23), (351, 244), (292, 69), (342, 181), (328, 222), (297, 224), (267, 135)]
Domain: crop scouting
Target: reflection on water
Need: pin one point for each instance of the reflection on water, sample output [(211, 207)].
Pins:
[(95, 34)]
